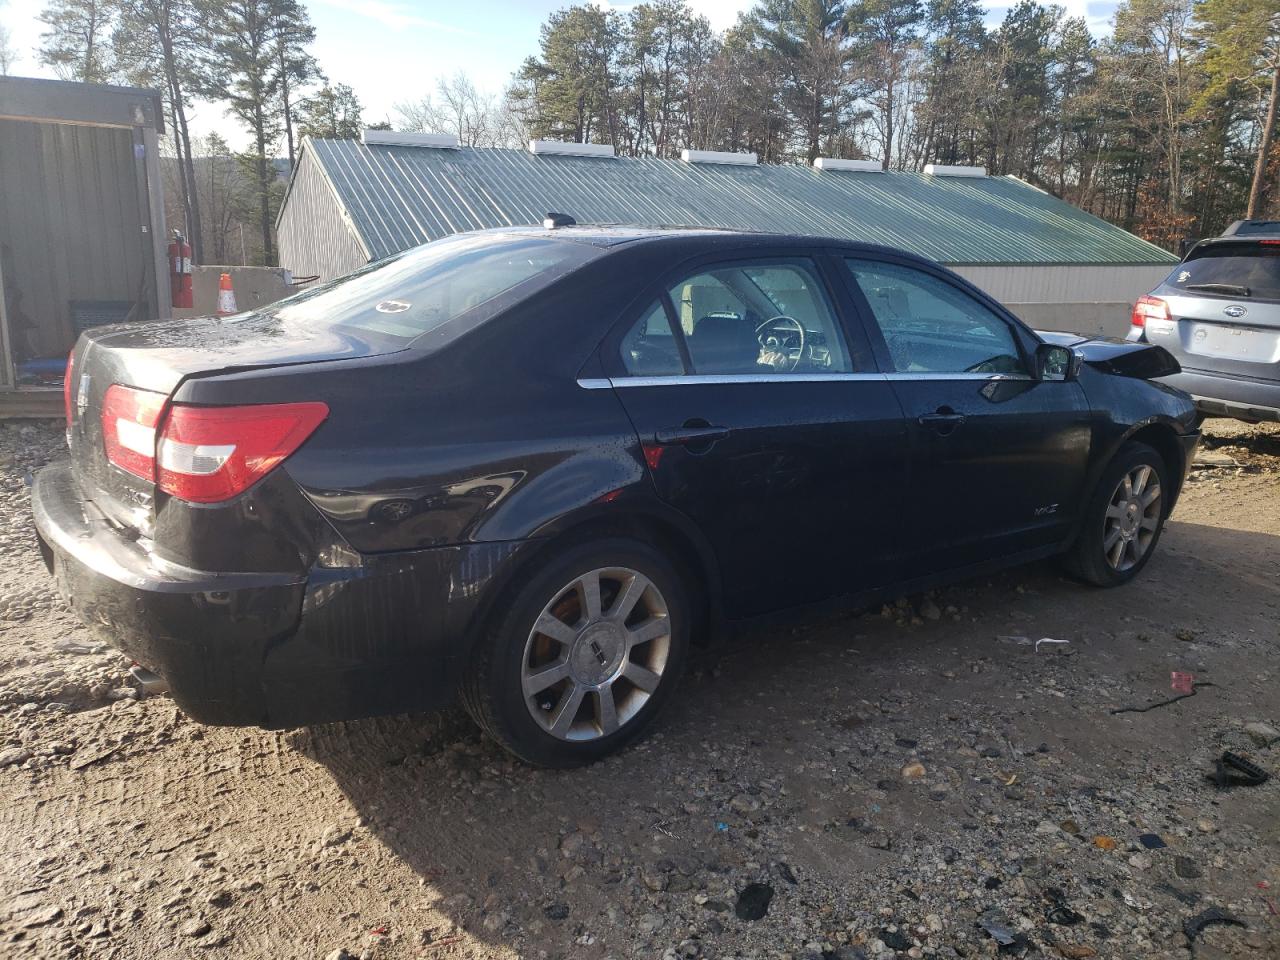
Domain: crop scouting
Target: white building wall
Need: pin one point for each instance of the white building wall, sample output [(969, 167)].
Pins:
[(1065, 284)]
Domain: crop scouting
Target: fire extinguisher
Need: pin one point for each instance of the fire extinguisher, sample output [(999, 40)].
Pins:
[(180, 271)]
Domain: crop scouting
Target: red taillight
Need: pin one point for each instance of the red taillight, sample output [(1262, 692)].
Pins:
[(201, 454), (1270, 243), (66, 387), (129, 419), (1149, 308), (209, 454)]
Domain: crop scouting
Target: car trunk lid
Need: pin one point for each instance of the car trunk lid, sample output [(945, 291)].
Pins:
[(160, 356), (1223, 306), (1229, 336)]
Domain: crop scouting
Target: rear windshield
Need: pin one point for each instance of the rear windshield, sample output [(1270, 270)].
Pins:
[(1234, 270), (415, 292)]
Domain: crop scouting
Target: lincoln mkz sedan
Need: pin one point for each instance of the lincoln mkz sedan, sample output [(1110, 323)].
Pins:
[(533, 466)]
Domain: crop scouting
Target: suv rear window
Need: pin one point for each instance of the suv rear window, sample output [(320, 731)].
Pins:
[(1233, 270), (415, 292)]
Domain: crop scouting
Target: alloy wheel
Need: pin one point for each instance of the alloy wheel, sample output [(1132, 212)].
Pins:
[(1132, 518), (596, 654)]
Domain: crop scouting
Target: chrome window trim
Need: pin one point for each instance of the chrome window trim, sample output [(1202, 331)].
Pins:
[(699, 379)]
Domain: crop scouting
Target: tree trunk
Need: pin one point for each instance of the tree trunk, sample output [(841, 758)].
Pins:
[(264, 192), (188, 163), (182, 139), (888, 125), (1264, 149), (288, 107)]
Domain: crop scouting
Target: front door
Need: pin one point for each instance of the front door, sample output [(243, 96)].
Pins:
[(999, 456), (759, 425)]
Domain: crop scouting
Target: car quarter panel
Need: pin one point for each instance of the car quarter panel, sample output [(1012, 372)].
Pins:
[(490, 439)]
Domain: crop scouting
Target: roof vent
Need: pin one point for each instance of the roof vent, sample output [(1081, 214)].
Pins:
[(859, 166), (565, 149), (940, 170), (718, 156), (397, 138)]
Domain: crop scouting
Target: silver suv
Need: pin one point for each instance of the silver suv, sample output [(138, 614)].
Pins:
[(1218, 312)]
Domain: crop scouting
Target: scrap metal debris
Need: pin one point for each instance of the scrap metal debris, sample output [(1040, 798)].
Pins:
[(1195, 688), (1214, 915), (1247, 773)]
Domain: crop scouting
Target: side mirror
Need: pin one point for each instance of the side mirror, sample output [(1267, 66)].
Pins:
[(1055, 362)]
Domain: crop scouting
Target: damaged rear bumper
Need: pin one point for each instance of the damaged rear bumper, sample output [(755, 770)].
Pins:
[(270, 649)]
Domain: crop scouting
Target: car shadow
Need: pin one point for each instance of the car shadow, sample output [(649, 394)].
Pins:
[(537, 859)]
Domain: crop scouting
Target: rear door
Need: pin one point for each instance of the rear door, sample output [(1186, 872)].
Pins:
[(765, 425), (998, 456), (1224, 310)]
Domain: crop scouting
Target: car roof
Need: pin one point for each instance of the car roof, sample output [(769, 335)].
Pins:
[(707, 238), (1249, 229)]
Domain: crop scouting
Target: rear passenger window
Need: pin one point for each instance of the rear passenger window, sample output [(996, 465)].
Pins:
[(649, 349), (759, 318)]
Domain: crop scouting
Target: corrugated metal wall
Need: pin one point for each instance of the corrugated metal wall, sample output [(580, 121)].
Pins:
[(314, 235), (71, 228), (1065, 284)]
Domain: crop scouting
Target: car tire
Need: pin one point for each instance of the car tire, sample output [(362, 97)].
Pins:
[(1120, 530), (566, 694)]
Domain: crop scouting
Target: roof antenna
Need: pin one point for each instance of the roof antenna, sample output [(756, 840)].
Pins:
[(553, 220)]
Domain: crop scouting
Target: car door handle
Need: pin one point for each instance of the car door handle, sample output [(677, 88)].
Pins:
[(941, 419), (684, 436)]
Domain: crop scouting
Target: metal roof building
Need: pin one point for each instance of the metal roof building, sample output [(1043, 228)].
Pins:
[(351, 202)]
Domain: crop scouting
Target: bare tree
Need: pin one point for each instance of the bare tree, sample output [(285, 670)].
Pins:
[(8, 55), (477, 119)]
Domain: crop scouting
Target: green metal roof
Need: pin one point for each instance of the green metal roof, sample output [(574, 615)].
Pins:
[(399, 196)]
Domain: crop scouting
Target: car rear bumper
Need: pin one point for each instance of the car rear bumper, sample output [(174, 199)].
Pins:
[(272, 650), (1227, 396)]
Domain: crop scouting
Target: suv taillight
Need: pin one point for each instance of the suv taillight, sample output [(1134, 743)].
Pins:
[(1149, 308), (202, 454)]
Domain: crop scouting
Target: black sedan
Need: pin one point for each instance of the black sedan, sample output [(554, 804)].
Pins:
[(533, 466)]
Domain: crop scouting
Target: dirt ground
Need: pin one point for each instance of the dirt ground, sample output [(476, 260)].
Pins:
[(879, 785)]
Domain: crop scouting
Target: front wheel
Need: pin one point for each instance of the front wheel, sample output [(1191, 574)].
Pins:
[(1123, 518), (584, 656)]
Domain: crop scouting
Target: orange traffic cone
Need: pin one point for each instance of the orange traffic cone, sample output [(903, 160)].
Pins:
[(226, 296)]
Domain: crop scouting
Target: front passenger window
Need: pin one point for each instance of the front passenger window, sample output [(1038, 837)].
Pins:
[(931, 326)]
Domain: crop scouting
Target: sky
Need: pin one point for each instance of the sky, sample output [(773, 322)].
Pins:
[(394, 51)]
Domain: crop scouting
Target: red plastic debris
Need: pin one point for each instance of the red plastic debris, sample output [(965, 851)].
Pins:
[(1182, 682)]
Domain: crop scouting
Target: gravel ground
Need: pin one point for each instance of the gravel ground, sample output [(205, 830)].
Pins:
[(879, 785)]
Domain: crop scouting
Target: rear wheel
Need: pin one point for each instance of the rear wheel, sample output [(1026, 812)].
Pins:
[(584, 656), (1123, 518)]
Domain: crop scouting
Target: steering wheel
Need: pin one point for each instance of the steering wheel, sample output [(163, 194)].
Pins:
[(778, 341)]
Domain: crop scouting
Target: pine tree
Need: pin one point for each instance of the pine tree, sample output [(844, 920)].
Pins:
[(295, 67), (155, 44), (886, 36), (573, 90), (809, 36), (1242, 48), (239, 67), (77, 42), (332, 113)]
